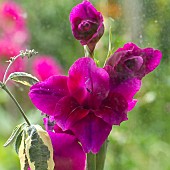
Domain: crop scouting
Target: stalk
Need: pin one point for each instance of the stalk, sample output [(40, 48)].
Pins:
[(10, 63), (88, 52), (17, 104), (91, 161), (101, 156)]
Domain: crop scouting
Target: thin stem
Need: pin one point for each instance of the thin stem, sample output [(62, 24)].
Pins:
[(87, 52), (17, 104), (101, 156), (6, 72), (110, 45), (91, 161)]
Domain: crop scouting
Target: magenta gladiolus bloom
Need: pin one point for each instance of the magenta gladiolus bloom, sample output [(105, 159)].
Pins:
[(87, 24), (132, 62), (68, 154), (45, 66), (83, 102)]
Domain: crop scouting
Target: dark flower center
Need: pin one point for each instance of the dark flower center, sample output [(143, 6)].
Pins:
[(134, 63), (84, 26), (87, 26)]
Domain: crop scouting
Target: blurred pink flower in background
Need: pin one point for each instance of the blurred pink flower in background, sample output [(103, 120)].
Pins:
[(45, 66), (8, 50), (13, 23), (14, 35)]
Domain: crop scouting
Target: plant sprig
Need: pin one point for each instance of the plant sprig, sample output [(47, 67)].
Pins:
[(27, 77), (28, 53)]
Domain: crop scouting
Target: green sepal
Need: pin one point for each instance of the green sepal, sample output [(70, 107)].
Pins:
[(39, 149), (14, 134), (23, 78)]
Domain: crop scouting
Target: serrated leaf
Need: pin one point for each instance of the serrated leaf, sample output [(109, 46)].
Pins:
[(18, 141), (14, 134), (22, 153), (39, 149), (23, 78)]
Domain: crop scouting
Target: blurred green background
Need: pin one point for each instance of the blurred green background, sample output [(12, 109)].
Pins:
[(142, 142)]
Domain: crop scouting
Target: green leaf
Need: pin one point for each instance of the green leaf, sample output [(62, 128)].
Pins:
[(39, 149), (14, 134), (23, 78), (18, 141), (22, 153)]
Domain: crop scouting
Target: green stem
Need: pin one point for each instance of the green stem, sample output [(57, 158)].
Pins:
[(87, 52), (101, 156), (11, 61), (17, 104), (91, 161), (110, 46)]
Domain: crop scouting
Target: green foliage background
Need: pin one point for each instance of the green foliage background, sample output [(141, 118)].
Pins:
[(142, 142)]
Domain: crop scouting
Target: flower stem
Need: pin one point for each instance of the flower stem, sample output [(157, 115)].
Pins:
[(101, 156), (87, 52), (28, 53), (10, 63), (91, 161), (110, 46), (17, 104)]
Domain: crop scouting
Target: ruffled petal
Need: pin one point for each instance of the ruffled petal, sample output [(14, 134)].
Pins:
[(130, 47), (68, 112), (113, 109), (45, 95), (88, 83), (152, 59), (91, 131), (128, 88), (68, 154), (132, 104), (83, 11)]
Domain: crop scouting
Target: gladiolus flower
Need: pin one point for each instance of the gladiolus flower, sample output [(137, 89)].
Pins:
[(68, 154), (87, 24), (132, 62), (83, 102)]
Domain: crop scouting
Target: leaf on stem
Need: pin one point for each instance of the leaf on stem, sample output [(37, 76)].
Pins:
[(14, 134), (39, 149), (22, 153), (23, 78), (18, 141)]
